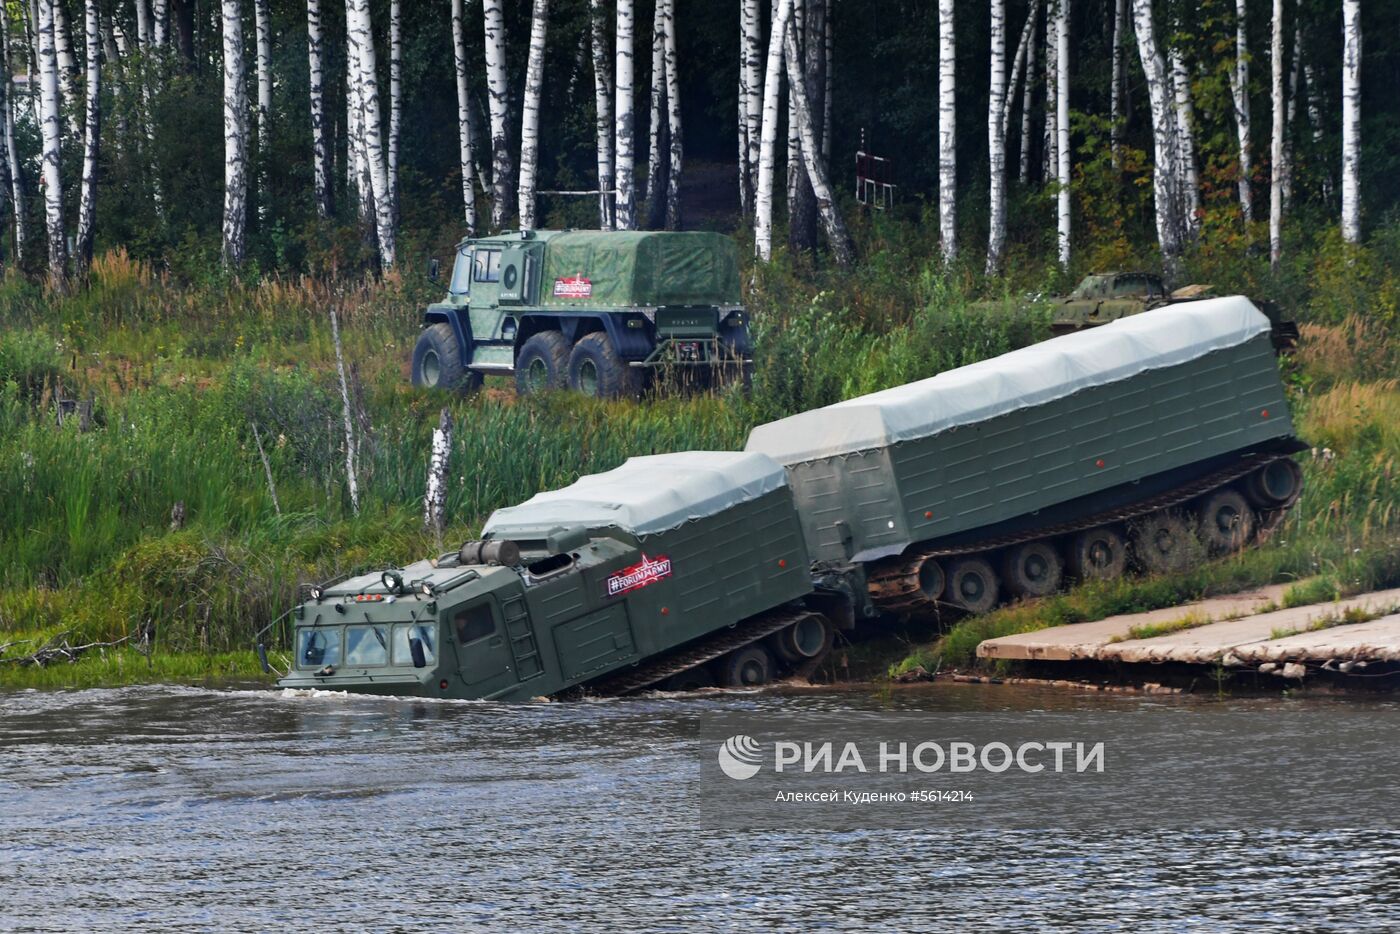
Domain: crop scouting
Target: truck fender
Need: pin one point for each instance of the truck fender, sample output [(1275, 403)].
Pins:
[(461, 326)]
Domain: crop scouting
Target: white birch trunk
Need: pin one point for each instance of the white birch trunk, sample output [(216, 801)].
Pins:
[(745, 189), (435, 499), (1239, 89), (835, 229), (673, 120), (1028, 97), (794, 140), (530, 113), (262, 26), (603, 102), (498, 92), (828, 52), (320, 150), (1290, 119), (357, 162), (1052, 105), (768, 136), (16, 173), (1115, 94), (465, 143), (625, 145), (996, 141), (235, 136), (1351, 121), (144, 34), (1018, 72), (63, 51), (160, 23), (1062, 149), (1276, 138), (1164, 171), (360, 34), (391, 165), (51, 132), (351, 472), (947, 132), (656, 134), (92, 114), (753, 85), (1186, 142)]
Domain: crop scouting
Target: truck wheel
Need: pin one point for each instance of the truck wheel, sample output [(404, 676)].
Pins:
[(1163, 542), (437, 361), (1034, 569), (1226, 522), (595, 369), (542, 364), (745, 668), (1098, 554), (972, 585)]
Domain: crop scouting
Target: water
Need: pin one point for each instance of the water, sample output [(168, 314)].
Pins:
[(162, 808)]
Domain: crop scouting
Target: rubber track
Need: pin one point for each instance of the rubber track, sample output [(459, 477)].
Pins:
[(1173, 497), (721, 643)]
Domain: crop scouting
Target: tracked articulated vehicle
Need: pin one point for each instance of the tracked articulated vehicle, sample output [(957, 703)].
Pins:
[(1147, 442)]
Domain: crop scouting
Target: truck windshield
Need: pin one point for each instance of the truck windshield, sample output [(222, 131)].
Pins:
[(318, 646), (424, 633), (462, 274), (366, 645)]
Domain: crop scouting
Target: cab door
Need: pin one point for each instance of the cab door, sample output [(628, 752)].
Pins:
[(484, 661)]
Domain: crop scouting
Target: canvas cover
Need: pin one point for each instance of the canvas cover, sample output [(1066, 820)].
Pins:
[(1056, 368), (645, 495), (640, 268)]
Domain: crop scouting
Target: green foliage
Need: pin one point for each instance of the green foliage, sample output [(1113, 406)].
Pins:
[(30, 364)]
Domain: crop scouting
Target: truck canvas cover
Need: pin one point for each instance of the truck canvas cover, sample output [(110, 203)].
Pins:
[(640, 268), (644, 496), (1031, 376)]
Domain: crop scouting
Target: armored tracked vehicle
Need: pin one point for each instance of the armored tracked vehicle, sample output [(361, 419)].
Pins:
[(1150, 442), (598, 312)]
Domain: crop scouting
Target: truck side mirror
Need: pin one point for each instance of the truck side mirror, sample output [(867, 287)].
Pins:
[(262, 659), (415, 648), (434, 269)]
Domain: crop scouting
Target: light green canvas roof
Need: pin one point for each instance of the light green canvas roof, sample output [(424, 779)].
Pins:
[(647, 268)]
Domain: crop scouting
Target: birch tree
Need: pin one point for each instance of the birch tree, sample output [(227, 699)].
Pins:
[(16, 172), (160, 23), (1276, 138), (361, 63), (834, 227), (262, 26), (51, 133), (793, 165), (530, 113), (498, 93), (624, 147), (603, 101), (320, 151), (656, 132), (1164, 172), (673, 119), (465, 143), (1050, 155), (235, 135), (1190, 182), (768, 135), (1115, 94), (751, 68), (947, 132), (145, 35), (803, 213), (996, 141), (395, 103), (1239, 89), (1062, 150), (1351, 121), (92, 113), (1028, 97)]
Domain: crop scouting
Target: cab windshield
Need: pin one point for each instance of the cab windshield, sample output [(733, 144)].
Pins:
[(424, 633), (462, 274), (319, 646)]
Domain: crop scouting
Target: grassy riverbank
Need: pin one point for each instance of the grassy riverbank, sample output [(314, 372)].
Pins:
[(158, 522)]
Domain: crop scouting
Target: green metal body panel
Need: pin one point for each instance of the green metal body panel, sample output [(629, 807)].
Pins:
[(871, 504), (553, 630)]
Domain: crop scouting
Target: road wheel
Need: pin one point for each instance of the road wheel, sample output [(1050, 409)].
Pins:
[(437, 361), (543, 363), (1098, 554), (748, 667), (1163, 542), (972, 585), (596, 370), (1034, 569), (1226, 522), (692, 679)]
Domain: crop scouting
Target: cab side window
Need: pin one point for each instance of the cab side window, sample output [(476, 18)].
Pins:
[(474, 623), (462, 274), (488, 266)]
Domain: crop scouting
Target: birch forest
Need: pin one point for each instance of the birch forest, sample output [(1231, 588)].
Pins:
[(310, 135)]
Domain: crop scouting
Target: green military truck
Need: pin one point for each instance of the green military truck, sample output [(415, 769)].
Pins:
[(681, 569), (1108, 296), (598, 312), (1138, 441)]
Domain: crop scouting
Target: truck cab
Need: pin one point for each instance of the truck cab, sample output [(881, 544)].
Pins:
[(596, 312)]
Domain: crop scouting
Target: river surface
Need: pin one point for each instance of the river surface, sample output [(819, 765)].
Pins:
[(167, 808)]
